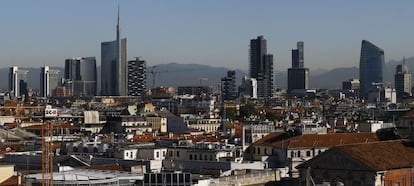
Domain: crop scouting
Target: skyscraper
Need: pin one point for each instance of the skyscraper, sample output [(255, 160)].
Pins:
[(297, 55), (17, 81), (228, 86), (49, 80), (113, 66), (137, 77), (370, 67), (402, 80), (261, 67), (80, 73), (298, 75)]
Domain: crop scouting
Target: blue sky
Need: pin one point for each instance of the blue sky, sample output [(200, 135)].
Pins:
[(213, 32)]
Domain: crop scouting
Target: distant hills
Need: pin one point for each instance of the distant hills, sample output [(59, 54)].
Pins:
[(175, 74)]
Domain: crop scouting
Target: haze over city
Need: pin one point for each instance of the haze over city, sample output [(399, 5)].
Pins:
[(216, 33)]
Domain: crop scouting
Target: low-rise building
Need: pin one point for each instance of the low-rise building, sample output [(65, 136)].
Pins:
[(375, 163), (279, 150)]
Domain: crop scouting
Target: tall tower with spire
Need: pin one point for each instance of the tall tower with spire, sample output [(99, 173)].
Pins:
[(113, 65)]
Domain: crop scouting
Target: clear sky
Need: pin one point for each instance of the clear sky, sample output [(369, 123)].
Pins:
[(213, 32)]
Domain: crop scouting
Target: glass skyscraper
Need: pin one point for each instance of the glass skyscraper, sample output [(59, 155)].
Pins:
[(17, 81), (49, 80), (80, 73), (370, 67), (298, 75), (113, 66), (261, 67)]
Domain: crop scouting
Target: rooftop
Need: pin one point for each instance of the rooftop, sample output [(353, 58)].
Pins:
[(283, 140)]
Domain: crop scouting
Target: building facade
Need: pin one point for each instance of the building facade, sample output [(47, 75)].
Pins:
[(17, 81), (228, 86), (370, 67), (137, 77), (113, 66), (248, 88), (49, 80), (298, 75), (261, 67), (402, 80), (80, 75)]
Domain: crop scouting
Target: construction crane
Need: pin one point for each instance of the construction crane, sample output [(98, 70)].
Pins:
[(153, 72), (50, 116), (47, 153)]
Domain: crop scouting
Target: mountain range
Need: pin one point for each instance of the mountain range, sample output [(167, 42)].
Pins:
[(175, 74)]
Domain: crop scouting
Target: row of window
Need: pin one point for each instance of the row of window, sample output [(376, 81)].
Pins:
[(200, 157)]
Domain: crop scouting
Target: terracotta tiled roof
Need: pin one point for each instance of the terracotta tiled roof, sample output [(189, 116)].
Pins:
[(383, 155), (14, 180), (375, 156), (148, 137), (113, 167), (282, 140)]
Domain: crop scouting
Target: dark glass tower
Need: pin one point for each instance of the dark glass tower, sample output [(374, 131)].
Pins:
[(228, 86), (370, 67), (113, 66), (81, 74), (261, 67), (298, 75)]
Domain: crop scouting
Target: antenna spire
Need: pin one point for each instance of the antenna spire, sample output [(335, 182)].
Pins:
[(117, 26)]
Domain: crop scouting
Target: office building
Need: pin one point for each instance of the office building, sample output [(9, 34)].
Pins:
[(113, 66), (298, 75), (402, 80), (17, 82), (370, 67), (80, 76), (137, 77), (261, 67), (49, 80), (228, 86), (297, 55)]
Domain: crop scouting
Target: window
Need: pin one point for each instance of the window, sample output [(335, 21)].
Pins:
[(163, 154), (265, 151), (171, 153), (191, 157), (178, 153), (211, 157), (258, 150), (205, 157), (292, 154), (158, 154), (308, 153), (299, 153)]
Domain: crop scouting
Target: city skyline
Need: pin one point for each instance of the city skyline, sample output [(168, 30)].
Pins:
[(47, 32)]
